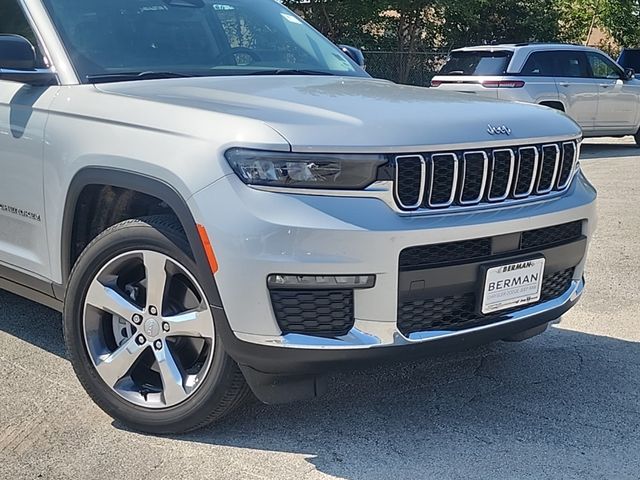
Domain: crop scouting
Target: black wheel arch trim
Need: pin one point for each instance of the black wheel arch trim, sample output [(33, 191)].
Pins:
[(143, 184)]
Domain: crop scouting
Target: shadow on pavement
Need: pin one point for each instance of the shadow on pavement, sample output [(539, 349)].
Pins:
[(609, 151), (36, 325), (563, 405)]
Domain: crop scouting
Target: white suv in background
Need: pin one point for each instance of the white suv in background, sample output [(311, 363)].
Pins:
[(585, 83)]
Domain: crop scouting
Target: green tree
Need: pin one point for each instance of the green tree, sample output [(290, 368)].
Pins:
[(622, 19), (473, 22)]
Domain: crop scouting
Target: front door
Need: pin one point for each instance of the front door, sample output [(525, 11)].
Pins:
[(576, 89), (617, 98), (23, 116)]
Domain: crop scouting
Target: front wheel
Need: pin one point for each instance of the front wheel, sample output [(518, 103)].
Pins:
[(140, 331), (637, 138)]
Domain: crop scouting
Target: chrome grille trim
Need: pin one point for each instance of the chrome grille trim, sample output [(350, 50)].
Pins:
[(534, 175), (556, 169), (512, 169), (574, 163), (423, 178), (464, 177), (454, 184), (445, 184)]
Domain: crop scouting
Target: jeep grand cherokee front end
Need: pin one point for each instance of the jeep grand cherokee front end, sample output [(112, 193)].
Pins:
[(220, 201)]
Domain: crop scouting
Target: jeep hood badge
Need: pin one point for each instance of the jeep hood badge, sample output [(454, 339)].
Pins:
[(498, 130)]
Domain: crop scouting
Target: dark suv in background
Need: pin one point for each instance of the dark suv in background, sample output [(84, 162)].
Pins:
[(630, 58)]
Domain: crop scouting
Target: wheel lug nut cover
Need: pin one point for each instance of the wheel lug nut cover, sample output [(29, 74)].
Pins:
[(165, 327), (153, 310), (137, 319), (158, 344), (141, 340)]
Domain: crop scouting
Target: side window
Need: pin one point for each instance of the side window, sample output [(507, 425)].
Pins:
[(13, 21), (602, 67), (540, 64), (572, 64)]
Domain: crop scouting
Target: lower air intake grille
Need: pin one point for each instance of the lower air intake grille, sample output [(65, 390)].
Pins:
[(546, 237), (321, 313), (430, 256), (459, 312)]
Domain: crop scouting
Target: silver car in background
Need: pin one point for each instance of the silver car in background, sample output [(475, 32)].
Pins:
[(601, 96)]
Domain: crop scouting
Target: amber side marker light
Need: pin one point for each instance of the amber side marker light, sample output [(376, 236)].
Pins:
[(208, 249)]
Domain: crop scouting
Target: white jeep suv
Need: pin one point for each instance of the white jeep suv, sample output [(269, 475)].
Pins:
[(220, 201), (601, 96)]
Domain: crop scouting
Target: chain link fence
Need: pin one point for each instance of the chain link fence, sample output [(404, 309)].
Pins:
[(416, 68)]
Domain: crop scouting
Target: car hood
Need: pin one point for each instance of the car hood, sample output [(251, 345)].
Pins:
[(356, 114)]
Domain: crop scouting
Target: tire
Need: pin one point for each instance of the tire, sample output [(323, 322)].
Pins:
[(637, 138), (177, 380)]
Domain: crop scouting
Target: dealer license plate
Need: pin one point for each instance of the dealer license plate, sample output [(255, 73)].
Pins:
[(513, 285)]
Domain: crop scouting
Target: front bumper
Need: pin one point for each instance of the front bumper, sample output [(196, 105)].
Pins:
[(257, 233), (295, 360)]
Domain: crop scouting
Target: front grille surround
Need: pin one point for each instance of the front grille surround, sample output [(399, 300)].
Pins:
[(456, 180), (436, 166), (527, 172), (506, 181), (570, 153), (404, 199), (467, 179), (550, 154)]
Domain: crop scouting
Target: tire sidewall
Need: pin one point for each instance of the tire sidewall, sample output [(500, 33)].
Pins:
[(126, 237)]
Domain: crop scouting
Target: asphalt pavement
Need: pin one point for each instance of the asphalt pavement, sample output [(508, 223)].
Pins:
[(564, 405)]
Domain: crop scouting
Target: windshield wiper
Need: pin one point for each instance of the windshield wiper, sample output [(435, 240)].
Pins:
[(291, 71), (130, 76)]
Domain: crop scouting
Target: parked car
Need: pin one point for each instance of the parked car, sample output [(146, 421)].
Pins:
[(220, 201), (583, 82), (630, 59)]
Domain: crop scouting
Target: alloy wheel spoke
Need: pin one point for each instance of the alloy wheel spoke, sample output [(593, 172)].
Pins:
[(116, 365), (195, 323), (156, 275), (107, 299), (172, 378)]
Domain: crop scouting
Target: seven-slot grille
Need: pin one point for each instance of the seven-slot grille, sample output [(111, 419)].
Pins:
[(467, 178)]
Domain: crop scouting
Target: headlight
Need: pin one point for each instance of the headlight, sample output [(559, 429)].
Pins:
[(327, 171)]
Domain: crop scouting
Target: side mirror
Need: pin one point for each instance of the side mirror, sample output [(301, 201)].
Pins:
[(629, 73), (18, 62), (354, 54)]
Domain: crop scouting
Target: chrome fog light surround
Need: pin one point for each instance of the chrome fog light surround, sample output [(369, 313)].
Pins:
[(320, 282)]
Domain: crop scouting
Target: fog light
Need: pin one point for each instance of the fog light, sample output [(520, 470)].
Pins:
[(323, 282)]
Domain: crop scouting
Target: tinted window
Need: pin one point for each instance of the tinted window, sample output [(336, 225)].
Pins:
[(630, 59), (602, 67), (477, 63), (541, 63), (13, 21), (194, 37), (572, 64)]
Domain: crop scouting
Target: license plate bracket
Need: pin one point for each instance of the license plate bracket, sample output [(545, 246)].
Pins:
[(511, 285)]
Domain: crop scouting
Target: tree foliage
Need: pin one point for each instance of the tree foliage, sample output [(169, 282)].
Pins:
[(622, 19), (418, 25)]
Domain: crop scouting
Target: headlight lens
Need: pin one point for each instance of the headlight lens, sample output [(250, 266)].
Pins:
[(325, 171)]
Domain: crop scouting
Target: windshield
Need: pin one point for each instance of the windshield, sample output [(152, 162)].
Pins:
[(477, 63), (120, 38)]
